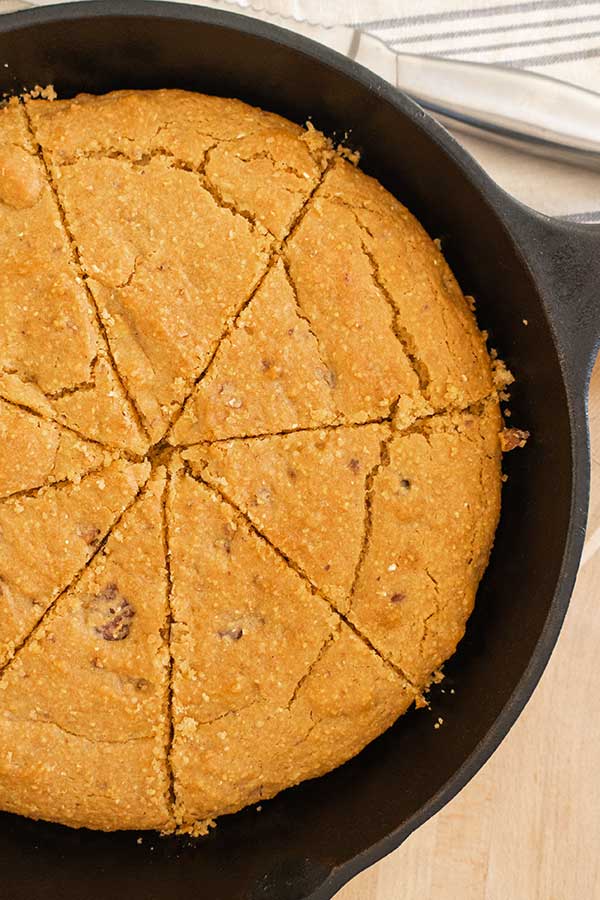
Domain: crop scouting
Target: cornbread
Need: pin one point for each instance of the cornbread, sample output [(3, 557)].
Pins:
[(250, 458), (85, 701), (35, 452), (250, 722)]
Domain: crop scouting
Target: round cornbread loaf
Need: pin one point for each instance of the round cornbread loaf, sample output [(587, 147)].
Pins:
[(250, 458)]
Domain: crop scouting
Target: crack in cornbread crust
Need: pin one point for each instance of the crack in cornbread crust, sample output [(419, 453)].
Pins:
[(203, 166), (418, 539), (476, 522), (327, 374), (266, 375), (77, 536), (47, 419), (391, 418), (382, 462), (163, 351), (50, 327), (334, 284), (299, 430), (212, 160), (77, 260), (274, 259), (173, 161), (35, 452), (56, 483), (189, 426), (122, 708), (249, 722), (331, 637), (99, 549), (27, 396), (99, 365), (406, 339), (266, 148), (306, 491), (169, 725), (293, 565), (411, 271)]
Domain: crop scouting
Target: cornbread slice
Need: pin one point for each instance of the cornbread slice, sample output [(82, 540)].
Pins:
[(35, 452), (353, 319), (267, 376), (48, 537), (51, 354), (256, 161), (306, 492), (83, 706), (434, 512), (165, 291), (410, 270), (270, 687), (270, 173)]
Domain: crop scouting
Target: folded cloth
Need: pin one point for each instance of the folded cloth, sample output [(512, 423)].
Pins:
[(560, 38)]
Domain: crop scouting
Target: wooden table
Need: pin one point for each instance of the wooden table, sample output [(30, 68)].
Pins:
[(534, 835)]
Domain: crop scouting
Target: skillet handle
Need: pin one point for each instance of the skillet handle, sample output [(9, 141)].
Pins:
[(565, 259), (524, 109)]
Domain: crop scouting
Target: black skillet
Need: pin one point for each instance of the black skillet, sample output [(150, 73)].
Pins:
[(520, 266)]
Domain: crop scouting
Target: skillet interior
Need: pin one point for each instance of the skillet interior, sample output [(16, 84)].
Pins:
[(364, 809)]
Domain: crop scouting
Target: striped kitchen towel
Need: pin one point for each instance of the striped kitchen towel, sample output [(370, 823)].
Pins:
[(560, 38)]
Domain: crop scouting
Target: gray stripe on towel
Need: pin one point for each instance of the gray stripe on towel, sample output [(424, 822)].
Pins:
[(475, 13), (553, 58), (481, 48), (497, 29)]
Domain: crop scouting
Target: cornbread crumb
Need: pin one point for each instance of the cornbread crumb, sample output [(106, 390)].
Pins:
[(511, 438), (45, 93)]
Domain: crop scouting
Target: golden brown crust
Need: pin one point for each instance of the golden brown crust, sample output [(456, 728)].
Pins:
[(190, 282), (49, 346), (305, 492), (351, 316), (270, 687), (64, 526), (96, 756), (219, 177), (164, 296), (267, 376), (35, 452), (434, 510), (255, 160), (437, 323), (348, 698)]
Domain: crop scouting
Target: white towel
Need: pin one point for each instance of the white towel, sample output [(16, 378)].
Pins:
[(560, 38)]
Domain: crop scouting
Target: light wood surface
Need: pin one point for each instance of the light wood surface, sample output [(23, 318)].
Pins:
[(528, 826)]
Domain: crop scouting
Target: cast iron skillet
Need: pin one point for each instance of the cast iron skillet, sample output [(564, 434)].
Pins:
[(520, 266)]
